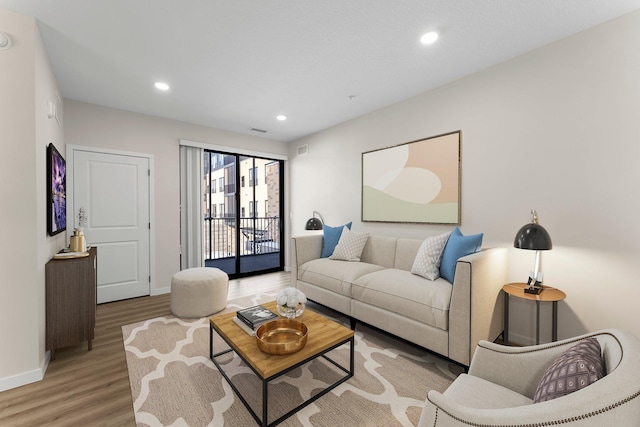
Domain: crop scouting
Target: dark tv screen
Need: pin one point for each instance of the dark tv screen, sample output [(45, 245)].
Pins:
[(57, 191)]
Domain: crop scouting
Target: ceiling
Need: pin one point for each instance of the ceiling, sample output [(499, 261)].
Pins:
[(237, 64)]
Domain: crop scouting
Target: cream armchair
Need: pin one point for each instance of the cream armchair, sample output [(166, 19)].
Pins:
[(499, 388)]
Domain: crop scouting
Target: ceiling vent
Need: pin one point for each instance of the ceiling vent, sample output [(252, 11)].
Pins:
[(258, 130), (303, 149)]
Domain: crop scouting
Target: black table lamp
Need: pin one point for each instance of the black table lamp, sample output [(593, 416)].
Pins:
[(314, 223), (534, 237)]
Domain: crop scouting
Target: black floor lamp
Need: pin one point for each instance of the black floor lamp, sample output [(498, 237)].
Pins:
[(314, 223)]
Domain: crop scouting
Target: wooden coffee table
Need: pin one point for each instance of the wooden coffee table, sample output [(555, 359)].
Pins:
[(323, 336)]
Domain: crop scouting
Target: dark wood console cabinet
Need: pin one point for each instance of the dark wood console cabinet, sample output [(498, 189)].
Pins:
[(71, 301)]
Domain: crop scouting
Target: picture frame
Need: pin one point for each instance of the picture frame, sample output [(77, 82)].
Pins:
[(56, 191), (413, 182)]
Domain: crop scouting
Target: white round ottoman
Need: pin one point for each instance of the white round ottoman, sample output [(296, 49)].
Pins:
[(198, 292)]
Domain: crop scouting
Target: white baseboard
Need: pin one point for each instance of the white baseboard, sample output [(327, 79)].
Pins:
[(27, 377), (167, 290), (521, 340), (160, 291)]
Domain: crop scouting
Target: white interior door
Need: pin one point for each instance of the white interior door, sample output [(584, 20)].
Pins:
[(114, 191)]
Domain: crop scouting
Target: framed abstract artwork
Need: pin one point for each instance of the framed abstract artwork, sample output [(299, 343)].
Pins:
[(414, 182), (56, 192)]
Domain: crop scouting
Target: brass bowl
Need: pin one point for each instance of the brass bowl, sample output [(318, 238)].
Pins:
[(281, 336)]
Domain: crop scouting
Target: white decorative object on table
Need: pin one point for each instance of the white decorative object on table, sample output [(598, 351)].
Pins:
[(291, 302), (82, 219), (78, 242)]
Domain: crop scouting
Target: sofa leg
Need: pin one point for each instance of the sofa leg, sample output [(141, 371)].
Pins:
[(352, 322)]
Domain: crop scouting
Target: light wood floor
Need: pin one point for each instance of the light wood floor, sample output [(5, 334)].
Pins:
[(82, 388)]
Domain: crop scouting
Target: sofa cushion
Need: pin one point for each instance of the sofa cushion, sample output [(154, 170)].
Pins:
[(427, 262), (335, 276), (457, 247), (576, 368), (406, 252), (380, 250), (350, 245), (331, 236), (404, 293), (474, 392)]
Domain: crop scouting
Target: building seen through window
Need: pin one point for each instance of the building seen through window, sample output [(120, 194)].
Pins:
[(241, 219)]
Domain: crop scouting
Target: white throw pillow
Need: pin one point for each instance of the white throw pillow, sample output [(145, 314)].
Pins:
[(427, 262), (350, 245)]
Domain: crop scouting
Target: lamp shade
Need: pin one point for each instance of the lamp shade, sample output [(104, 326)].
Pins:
[(533, 236), (313, 224)]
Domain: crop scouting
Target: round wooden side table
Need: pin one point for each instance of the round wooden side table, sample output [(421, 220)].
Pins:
[(548, 294)]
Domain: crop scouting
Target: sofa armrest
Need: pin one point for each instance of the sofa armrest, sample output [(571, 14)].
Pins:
[(522, 367), (304, 249), (476, 309), (613, 400), (591, 407)]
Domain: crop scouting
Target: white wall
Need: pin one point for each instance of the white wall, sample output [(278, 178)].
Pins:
[(94, 126), (48, 130), (556, 130), (26, 87)]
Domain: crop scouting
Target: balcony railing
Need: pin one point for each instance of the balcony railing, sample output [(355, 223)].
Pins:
[(258, 235)]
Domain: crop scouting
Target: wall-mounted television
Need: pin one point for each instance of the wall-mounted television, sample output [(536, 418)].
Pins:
[(56, 192)]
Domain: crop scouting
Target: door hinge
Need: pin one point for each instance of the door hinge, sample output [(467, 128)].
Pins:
[(148, 172), (149, 279), (149, 226)]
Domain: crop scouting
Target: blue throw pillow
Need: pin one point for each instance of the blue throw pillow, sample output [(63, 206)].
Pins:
[(331, 237), (457, 247)]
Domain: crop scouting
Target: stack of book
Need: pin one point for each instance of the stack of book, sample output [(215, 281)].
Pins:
[(252, 318)]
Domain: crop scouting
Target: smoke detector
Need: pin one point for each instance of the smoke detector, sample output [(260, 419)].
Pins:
[(5, 41)]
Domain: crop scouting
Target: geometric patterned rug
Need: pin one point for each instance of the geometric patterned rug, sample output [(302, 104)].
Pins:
[(173, 382)]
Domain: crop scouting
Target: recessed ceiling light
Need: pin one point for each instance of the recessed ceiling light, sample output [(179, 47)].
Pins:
[(162, 86), (429, 37), (281, 117)]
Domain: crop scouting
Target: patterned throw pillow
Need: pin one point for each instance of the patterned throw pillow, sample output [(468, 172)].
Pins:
[(331, 236), (427, 262), (573, 370), (350, 245)]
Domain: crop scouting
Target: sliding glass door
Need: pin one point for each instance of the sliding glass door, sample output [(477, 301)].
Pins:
[(243, 211)]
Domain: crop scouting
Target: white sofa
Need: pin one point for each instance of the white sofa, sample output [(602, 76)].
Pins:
[(449, 319), (500, 386)]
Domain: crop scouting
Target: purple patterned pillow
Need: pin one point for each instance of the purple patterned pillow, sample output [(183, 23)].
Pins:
[(573, 370)]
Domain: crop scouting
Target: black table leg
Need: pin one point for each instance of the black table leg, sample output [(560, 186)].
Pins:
[(554, 327), (505, 334), (265, 402)]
